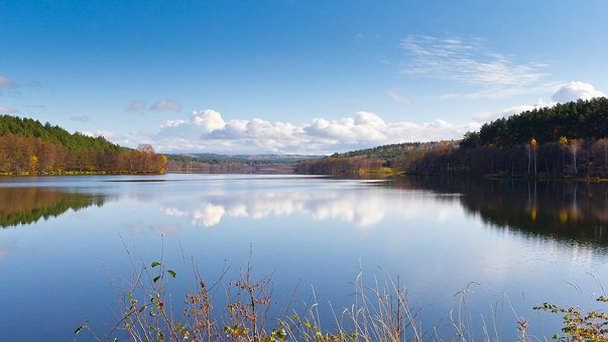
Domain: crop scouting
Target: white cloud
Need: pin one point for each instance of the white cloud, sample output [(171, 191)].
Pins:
[(132, 140), (4, 252), (207, 130), (564, 92), (459, 60), (173, 123), (100, 133), (497, 92), (208, 215), (8, 87), (5, 81), (366, 211), (209, 120), (456, 59), (7, 110), (135, 106), (166, 106), (11, 88), (172, 211), (489, 116), (164, 230), (80, 118), (398, 98), (575, 90)]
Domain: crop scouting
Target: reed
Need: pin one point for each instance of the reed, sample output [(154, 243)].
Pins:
[(380, 311)]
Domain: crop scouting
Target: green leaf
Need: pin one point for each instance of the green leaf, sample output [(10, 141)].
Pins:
[(156, 278), (155, 263), (172, 273)]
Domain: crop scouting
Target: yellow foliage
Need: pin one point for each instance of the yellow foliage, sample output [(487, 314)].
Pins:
[(34, 164), (163, 164), (533, 142), (563, 216)]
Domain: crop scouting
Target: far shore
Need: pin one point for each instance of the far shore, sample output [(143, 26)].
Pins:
[(382, 173)]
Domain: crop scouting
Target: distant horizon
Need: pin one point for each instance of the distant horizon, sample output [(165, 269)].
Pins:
[(291, 76)]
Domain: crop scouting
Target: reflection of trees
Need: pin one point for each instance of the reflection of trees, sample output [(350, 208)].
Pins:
[(565, 210), (28, 205)]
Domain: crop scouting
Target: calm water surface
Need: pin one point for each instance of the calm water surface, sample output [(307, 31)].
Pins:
[(63, 254)]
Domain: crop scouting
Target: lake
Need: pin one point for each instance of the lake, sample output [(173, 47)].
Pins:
[(516, 244)]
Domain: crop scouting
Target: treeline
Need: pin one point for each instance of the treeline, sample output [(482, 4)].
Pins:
[(381, 159), (194, 165), (567, 158), (336, 165), (217, 163), (27, 147), (384, 152), (565, 140), (197, 166)]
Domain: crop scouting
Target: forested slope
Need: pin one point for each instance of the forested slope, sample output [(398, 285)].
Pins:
[(28, 147), (386, 159), (565, 140)]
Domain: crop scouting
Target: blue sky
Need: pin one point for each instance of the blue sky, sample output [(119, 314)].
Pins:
[(291, 76)]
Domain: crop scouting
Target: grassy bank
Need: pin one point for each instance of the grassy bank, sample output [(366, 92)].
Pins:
[(380, 311), (383, 172)]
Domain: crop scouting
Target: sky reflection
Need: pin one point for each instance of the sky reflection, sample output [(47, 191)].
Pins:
[(522, 240)]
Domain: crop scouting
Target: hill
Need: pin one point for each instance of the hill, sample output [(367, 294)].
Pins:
[(28, 147), (220, 163), (573, 120), (31, 128), (384, 152), (381, 160)]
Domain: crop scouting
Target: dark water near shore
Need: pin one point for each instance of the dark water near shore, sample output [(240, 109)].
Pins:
[(63, 254)]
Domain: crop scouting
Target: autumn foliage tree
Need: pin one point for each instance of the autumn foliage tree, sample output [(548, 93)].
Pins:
[(29, 147), (565, 140)]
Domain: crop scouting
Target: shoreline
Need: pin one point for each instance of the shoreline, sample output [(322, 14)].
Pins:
[(392, 173), (384, 173), (78, 173)]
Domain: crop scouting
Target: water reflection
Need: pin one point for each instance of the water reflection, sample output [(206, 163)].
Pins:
[(20, 206), (561, 210), (436, 234), (358, 205), (279, 203)]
